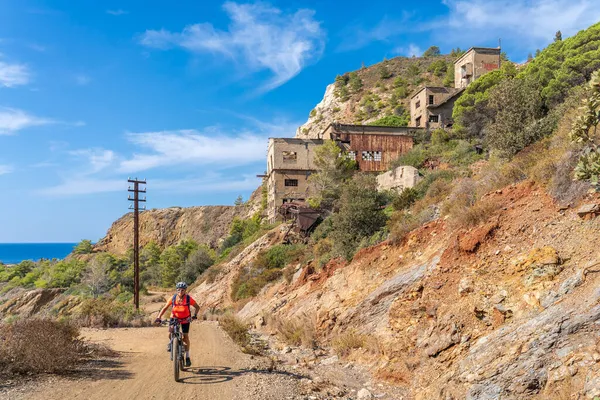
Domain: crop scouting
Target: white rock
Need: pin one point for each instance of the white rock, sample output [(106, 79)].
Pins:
[(330, 360), (364, 394)]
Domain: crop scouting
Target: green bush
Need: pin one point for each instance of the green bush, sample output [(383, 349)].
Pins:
[(355, 82), (267, 267), (360, 215), (433, 51), (384, 72), (392, 120), (415, 157), (83, 247), (405, 199)]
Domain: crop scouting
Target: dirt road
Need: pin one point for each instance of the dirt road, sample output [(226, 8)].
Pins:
[(144, 371)]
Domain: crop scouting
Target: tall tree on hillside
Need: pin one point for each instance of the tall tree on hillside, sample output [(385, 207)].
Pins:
[(359, 216), (433, 51), (334, 169), (558, 36)]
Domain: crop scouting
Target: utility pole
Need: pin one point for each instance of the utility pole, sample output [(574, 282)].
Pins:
[(500, 53), (136, 235)]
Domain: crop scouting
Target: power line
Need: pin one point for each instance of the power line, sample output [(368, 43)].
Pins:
[(136, 234)]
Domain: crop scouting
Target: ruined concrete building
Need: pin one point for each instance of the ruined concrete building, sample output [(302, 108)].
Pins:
[(474, 63), (431, 106), (290, 162)]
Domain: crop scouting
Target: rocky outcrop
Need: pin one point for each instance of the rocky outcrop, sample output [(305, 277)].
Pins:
[(204, 224), (28, 303)]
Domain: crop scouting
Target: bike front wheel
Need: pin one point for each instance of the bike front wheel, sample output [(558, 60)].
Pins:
[(176, 355)]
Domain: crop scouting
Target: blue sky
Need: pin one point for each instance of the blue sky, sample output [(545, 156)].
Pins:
[(186, 93)]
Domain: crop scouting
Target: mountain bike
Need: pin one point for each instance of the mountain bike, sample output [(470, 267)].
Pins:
[(177, 346)]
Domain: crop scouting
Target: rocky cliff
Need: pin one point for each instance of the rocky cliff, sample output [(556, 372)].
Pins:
[(168, 226), (507, 310), (365, 95)]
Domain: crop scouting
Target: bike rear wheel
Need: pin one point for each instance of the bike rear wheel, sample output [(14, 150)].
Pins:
[(176, 349)]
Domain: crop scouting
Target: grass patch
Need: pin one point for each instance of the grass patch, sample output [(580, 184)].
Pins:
[(346, 342), (297, 331)]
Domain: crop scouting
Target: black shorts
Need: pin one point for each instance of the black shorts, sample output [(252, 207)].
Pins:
[(185, 325), (185, 328)]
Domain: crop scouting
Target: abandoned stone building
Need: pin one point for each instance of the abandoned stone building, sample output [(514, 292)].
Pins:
[(431, 107), (290, 162), (474, 63)]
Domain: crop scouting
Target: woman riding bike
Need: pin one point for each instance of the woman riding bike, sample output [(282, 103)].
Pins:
[(181, 303)]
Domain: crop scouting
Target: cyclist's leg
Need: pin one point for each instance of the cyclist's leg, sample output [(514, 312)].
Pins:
[(185, 328)]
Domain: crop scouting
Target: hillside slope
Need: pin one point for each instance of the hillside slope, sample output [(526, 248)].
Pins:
[(363, 96), (506, 310)]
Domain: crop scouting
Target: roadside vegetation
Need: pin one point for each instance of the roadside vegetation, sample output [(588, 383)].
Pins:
[(34, 345)]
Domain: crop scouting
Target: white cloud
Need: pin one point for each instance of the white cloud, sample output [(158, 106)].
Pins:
[(117, 12), (260, 36), (212, 183), (169, 148), (82, 79), (98, 159), (82, 186), (413, 50), (534, 21), (522, 24), (5, 169), (13, 120), (13, 74)]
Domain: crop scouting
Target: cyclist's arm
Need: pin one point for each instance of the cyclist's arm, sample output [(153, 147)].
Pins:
[(166, 306), (197, 309)]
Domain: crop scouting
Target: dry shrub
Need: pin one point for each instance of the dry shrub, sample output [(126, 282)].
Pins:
[(463, 196), (288, 273), (472, 216), (210, 275), (106, 313), (238, 332), (403, 222), (297, 331), (39, 345), (322, 247), (346, 342)]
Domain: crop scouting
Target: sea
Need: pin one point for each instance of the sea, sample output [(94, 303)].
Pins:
[(14, 253)]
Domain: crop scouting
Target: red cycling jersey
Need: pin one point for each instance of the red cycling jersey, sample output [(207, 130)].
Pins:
[(181, 308)]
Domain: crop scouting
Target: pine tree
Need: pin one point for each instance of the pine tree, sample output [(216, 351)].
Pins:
[(558, 36)]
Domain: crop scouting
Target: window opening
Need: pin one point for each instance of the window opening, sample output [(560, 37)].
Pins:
[(367, 155), (289, 156), (291, 182)]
